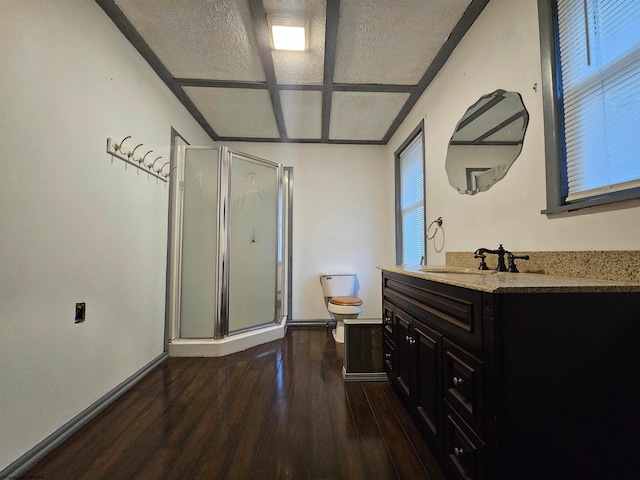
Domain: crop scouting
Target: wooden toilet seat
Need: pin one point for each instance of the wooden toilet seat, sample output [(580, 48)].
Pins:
[(348, 301)]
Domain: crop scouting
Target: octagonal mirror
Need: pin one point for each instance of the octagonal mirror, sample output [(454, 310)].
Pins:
[(486, 142)]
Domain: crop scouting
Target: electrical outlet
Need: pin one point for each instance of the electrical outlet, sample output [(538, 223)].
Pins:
[(80, 312)]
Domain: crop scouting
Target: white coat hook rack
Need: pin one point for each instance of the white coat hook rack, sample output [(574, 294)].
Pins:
[(117, 150)]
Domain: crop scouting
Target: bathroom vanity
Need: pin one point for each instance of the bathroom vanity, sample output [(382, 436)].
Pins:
[(517, 376)]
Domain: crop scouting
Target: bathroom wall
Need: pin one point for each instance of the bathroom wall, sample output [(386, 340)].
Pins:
[(75, 224), (502, 50), (342, 219)]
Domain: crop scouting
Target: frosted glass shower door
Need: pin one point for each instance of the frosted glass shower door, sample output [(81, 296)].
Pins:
[(253, 242), (200, 232)]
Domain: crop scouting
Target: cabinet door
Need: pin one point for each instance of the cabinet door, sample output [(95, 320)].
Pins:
[(427, 398), (403, 351)]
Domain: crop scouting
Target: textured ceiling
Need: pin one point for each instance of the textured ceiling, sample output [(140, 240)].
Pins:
[(367, 63)]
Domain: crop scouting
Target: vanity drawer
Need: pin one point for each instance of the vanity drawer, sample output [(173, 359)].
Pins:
[(453, 311), (464, 452), (464, 385)]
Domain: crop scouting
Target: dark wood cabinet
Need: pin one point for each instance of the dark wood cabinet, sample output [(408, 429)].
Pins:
[(417, 376), (404, 360), (425, 346), (363, 357), (464, 453), (517, 386), (388, 341), (464, 385)]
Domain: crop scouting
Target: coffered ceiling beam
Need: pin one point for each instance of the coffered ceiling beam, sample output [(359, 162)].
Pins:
[(373, 87), (330, 46), (198, 82), (131, 34), (337, 87), (471, 13), (301, 140), (259, 20)]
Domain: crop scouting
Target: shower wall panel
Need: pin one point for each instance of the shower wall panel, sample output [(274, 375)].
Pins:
[(199, 244)]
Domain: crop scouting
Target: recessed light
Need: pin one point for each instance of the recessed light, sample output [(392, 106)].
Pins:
[(287, 32), (288, 38)]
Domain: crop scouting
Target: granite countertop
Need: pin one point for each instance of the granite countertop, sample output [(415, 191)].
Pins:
[(505, 282)]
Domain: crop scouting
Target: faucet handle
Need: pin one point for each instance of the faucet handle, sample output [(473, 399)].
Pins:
[(483, 265), (512, 261)]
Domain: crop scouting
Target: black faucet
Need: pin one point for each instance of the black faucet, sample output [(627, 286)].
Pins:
[(500, 252)]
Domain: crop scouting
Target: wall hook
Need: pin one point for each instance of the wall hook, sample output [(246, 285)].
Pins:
[(119, 147), (130, 154), (119, 151), (145, 156), (166, 175), (162, 167)]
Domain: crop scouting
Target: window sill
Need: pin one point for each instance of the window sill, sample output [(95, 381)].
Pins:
[(593, 202)]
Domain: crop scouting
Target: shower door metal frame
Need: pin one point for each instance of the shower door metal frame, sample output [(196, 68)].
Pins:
[(223, 218), (221, 322), (287, 236), (223, 258)]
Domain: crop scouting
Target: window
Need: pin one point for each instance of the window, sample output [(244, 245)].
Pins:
[(591, 82), (410, 213)]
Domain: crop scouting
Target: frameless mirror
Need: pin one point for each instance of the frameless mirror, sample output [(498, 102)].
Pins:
[(486, 142)]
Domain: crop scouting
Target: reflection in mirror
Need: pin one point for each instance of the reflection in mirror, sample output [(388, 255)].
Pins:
[(486, 142)]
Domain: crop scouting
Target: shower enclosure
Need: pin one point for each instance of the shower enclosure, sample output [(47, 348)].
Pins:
[(230, 255)]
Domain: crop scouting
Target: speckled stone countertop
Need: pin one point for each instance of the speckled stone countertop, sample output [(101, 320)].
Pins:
[(505, 282), (617, 265)]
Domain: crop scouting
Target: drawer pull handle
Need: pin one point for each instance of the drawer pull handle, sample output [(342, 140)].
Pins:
[(458, 452), (457, 381), (387, 321), (387, 355)]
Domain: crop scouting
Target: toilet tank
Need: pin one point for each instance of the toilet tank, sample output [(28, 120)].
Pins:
[(338, 285)]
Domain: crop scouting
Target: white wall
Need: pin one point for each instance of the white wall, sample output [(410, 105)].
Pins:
[(342, 218), (502, 50), (75, 225)]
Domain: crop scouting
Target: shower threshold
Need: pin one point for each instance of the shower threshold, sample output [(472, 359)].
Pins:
[(208, 347)]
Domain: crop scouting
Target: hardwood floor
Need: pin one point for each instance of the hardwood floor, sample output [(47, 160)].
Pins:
[(277, 411)]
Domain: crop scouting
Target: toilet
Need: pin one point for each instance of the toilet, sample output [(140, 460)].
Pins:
[(339, 291)]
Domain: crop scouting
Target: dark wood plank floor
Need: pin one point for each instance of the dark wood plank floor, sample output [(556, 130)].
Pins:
[(277, 411)]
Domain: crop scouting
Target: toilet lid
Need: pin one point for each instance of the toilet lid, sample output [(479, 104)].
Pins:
[(348, 301)]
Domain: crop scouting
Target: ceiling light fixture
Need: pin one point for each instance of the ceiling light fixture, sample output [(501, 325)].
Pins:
[(288, 32)]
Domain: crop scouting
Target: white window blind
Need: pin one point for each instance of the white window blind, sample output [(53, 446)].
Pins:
[(412, 202), (599, 44)]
